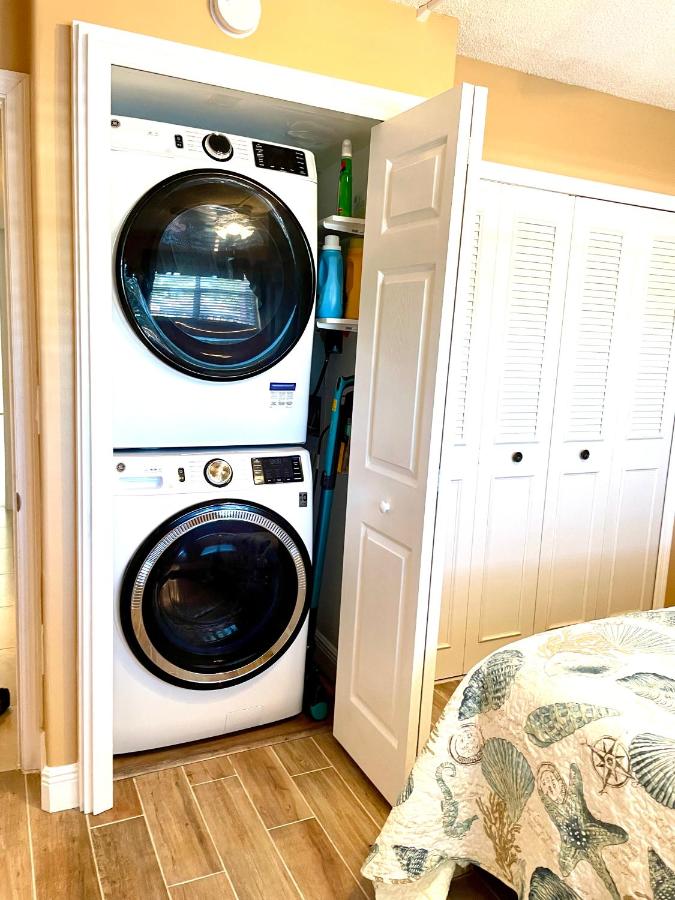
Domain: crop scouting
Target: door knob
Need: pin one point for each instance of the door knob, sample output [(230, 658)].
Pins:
[(517, 456), (584, 454), (385, 506)]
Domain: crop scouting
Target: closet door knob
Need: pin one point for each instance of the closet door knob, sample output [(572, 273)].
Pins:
[(517, 456), (584, 454), (385, 506)]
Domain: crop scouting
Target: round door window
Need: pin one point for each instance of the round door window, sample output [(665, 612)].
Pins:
[(215, 275), (215, 595)]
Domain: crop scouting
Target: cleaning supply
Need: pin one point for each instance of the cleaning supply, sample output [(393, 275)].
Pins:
[(331, 279), (345, 181), (353, 266), (315, 701)]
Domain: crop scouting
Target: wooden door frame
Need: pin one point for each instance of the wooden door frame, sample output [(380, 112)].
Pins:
[(96, 49), (22, 403)]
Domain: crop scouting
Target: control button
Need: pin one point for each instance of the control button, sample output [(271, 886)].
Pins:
[(178, 138), (218, 472), (181, 474), (218, 146)]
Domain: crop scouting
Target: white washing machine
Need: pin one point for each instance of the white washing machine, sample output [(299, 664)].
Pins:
[(214, 255), (212, 576)]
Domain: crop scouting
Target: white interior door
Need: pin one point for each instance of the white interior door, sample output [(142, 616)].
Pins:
[(528, 291), (419, 167), (644, 429), (589, 405), (462, 434)]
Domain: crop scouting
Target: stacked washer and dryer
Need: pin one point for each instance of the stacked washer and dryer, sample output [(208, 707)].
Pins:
[(214, 254)]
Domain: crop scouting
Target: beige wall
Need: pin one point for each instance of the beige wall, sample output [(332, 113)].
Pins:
[(15, 35), (543, 124), (376, 42)]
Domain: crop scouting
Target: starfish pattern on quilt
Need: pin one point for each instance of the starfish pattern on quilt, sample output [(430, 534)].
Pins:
[(582, 836)]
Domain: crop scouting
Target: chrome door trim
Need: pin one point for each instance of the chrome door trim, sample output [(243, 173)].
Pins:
[(144, 570)]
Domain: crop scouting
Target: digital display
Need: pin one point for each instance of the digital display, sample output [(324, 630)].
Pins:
[(276, 469), (281, 159)]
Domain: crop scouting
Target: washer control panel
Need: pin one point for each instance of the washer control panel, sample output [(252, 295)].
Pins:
[(276, 469), (281, 159)]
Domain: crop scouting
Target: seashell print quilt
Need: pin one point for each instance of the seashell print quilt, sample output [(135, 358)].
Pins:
[(552, 767)]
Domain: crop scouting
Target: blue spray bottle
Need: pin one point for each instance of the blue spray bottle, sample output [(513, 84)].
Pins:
[(331, 279)]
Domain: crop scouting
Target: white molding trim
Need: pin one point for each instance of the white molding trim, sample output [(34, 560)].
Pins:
[(666, 538), (95, 51), (580, 187), (22, 403), (59, 788)]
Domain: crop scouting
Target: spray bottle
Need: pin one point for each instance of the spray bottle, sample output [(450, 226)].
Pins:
[(345, 182)]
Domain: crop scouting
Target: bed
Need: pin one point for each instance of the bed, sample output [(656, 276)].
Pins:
[(552, 767)]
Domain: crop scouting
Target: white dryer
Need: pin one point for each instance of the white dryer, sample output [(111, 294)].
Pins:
[(214, 257), (212, 584)]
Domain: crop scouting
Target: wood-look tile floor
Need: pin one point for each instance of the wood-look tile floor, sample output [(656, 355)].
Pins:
[(292, 818)]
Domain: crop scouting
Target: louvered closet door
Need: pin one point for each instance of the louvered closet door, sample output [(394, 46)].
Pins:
[(590, 397), (526, 314), (468, 363), (645, 425)]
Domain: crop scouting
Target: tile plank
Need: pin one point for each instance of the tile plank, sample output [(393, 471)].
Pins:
[(314, 862), (301, 756), (368, 795), (270, 787), (252, 862), (213, 887), (127, 864), (125, 804), (130, 764), (15, 867), (209, 769), (447, 688), (183, 844), (64, 865), (347, 824)]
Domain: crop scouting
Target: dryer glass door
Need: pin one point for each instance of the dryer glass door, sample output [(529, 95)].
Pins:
[(215, 595), (215, 275)]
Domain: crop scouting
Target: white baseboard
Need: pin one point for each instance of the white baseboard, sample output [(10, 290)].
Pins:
[(60, 788), (326, 656)]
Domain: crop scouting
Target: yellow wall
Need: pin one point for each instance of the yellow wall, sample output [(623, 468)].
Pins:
[(376, 42), (543, 124), (15, 35)]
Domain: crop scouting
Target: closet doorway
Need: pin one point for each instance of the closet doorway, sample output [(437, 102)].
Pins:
[(19, 463)]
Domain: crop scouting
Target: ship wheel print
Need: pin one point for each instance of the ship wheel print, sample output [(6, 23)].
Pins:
[(611, 763)]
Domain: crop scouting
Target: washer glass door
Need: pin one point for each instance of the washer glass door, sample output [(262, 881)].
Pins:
[(215, 595), (215, 274)]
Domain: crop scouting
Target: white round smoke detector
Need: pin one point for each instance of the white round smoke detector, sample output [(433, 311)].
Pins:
[(238, 18)]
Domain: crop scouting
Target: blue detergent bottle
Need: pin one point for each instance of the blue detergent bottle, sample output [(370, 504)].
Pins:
[(331, 279)]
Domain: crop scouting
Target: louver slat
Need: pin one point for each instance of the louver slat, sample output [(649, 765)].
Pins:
[(595, 333), (656, 343), (529, 296), (464, 344)]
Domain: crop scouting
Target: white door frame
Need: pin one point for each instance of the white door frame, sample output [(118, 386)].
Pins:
[(95, 51), (597, 190), (22, 406)]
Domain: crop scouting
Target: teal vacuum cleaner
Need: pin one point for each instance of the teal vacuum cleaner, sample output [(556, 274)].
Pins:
[(316, 700)]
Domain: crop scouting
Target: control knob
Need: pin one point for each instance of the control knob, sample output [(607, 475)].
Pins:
[(217, 146), (218, 472)]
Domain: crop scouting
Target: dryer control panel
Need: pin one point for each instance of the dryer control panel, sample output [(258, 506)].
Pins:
[(276, 469)]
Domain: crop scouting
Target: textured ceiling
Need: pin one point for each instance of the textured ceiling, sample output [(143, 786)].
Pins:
[(620, 47)]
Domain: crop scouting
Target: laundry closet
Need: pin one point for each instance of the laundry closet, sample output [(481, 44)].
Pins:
[(513, 400)]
